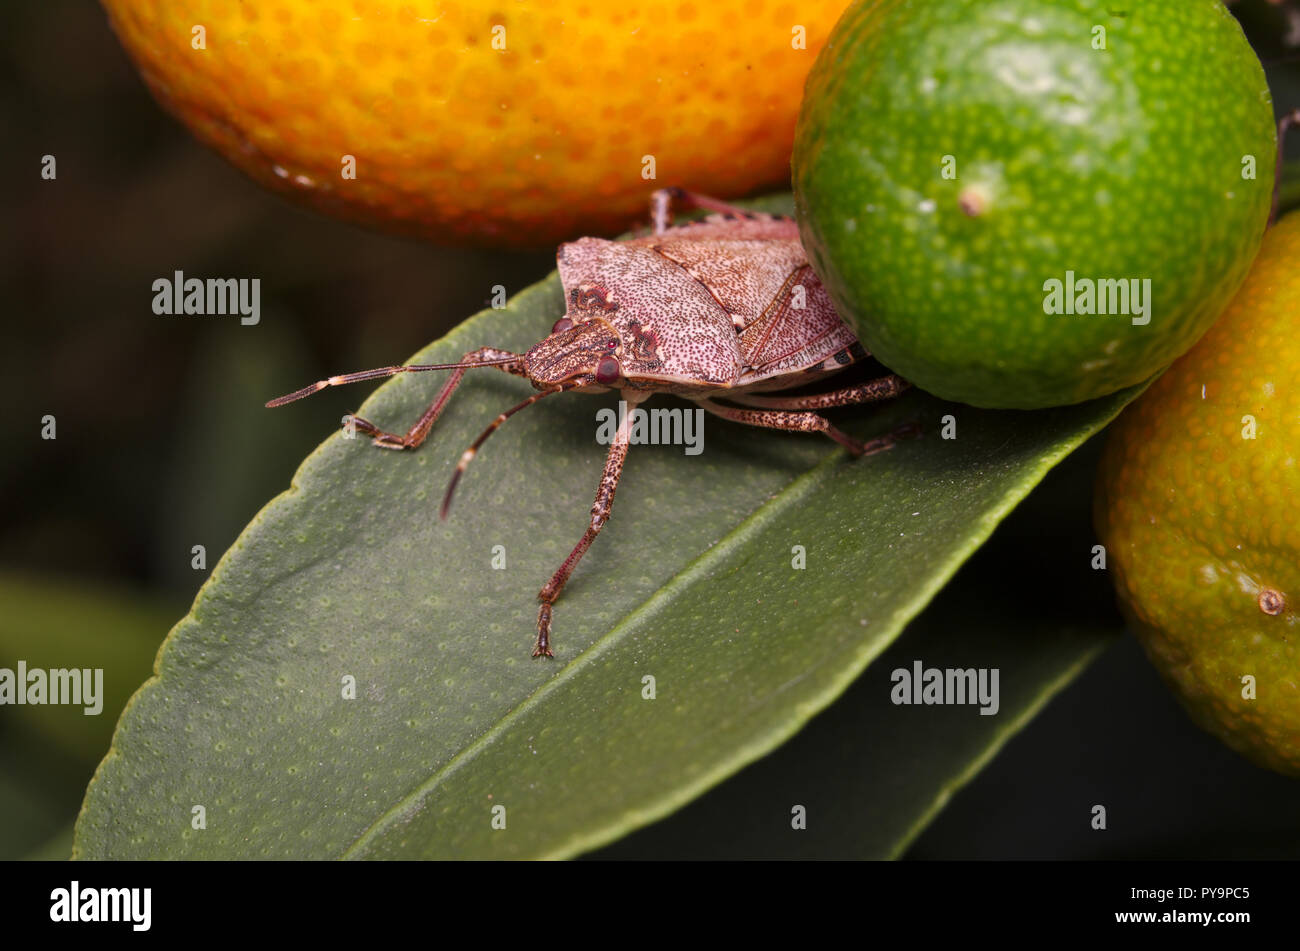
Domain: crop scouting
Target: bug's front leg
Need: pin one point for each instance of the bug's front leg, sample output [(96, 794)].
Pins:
[(599, 515), (420, 429)]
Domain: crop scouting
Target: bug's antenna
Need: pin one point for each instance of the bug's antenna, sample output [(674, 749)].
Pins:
[(469, 453), (382, 372)]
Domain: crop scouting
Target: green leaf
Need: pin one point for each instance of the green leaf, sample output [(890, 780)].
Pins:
[(47, 750), (30, 814), (871, 774), (56, 848), (50, 624), (351, 574)]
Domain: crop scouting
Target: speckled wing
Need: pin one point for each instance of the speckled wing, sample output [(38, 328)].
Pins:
[(755, 267), (743, 262), (800, 330)]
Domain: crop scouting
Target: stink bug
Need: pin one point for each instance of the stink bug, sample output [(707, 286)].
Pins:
[(726, 307)]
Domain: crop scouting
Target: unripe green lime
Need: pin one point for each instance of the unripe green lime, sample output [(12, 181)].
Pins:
[(973, 176)]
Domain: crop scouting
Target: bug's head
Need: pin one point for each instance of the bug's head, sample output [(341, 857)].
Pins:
[(585, 353)]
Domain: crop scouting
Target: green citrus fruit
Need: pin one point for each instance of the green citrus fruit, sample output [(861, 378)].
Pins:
[(1198, 504), (965, 170)]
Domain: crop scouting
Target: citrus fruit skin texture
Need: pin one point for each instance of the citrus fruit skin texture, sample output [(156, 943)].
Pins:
[(1202, 526), (954, 156), (461, 142)]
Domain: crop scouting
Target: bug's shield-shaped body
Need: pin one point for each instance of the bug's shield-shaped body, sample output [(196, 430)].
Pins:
[(726, 302), (719, 309)]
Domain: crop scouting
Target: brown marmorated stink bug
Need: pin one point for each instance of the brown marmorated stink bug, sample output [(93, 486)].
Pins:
[(726, 307)]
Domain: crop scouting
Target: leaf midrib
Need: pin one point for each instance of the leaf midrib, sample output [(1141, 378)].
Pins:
[(792, 493)]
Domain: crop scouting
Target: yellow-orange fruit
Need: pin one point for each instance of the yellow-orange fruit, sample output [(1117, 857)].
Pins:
[(1198, 504), (518, 122)]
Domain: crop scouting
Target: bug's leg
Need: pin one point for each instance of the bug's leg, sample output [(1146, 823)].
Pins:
[(663, 200), (417, 433), (885, 388), (806, 422), (599, 515)]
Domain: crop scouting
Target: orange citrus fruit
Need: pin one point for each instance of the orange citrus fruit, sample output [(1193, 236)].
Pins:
[(503, 123), (1198, 504)]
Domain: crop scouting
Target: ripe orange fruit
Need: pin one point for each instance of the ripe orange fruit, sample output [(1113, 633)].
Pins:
[(1198, 504), (505, 123)]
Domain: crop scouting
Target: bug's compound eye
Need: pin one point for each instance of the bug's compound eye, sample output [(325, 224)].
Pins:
[(561, 325), (608, 370)]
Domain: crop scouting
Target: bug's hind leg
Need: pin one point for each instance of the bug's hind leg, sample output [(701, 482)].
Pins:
[(667, 200), (884, 388), (600, 510), (806, 422), (420, 430)]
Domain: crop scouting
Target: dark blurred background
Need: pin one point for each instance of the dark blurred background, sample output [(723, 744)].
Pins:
[(163, 444)]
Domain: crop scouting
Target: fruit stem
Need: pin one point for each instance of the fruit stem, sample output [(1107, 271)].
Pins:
[(1288, 122)]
